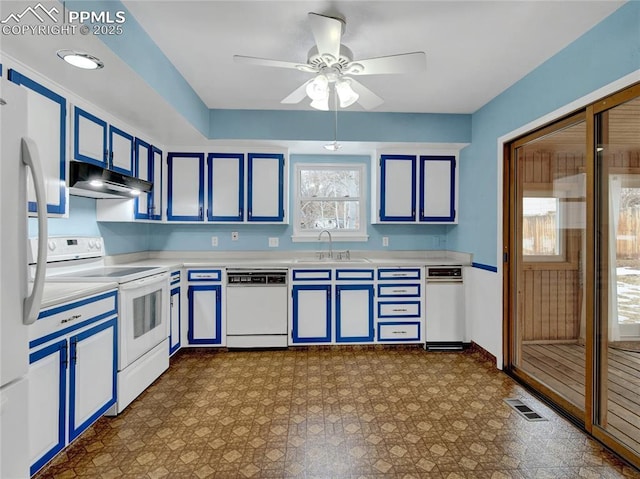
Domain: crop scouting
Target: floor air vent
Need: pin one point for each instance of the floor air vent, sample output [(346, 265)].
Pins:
[(524, 410)]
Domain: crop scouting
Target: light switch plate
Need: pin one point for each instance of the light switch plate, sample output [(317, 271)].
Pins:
[(273, 242), (385, 241), (214, 241)]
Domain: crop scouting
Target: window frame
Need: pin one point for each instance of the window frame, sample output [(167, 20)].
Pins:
[(561, 239), (300, 235)]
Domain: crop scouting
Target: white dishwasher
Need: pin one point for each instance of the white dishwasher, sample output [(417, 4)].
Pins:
[(257, 308), (445, 324)]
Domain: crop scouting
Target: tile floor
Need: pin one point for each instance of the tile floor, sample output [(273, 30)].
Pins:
[(333, 413)]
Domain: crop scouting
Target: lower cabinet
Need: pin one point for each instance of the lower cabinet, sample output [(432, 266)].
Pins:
[(400, 305), (332, 306), (72, 373), (174, 313), (204, 300)]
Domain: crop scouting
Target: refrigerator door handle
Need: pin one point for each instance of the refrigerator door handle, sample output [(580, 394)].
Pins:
[(31, 159)]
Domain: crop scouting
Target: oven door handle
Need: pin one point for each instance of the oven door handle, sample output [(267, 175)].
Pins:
[(151, 280)]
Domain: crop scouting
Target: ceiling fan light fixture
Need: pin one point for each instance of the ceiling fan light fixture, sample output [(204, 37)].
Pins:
[(322, 104), (318, 89), (345, 93)]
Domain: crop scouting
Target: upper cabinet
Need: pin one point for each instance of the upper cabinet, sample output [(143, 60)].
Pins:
[(247, 188), (416, 188), (46, 125), (148, 166), (90, 136)]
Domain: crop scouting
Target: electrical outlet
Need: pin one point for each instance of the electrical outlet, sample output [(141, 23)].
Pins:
[(385, 241), (214, 241), (234, 236), (273, 242)]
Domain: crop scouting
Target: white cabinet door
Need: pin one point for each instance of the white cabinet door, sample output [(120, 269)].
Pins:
[(47, 403), (226, 187), (354, 313), (142, 171), (92, 376), (265, 194), (120, 151), (437, 188), (155, 206), (89, 138), (185, 186), (46, 126), (174, 320), (311, 313), (397, 188), (205, 314)]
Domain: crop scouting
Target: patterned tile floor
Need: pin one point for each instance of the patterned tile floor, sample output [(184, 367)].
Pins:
[(333, 413)]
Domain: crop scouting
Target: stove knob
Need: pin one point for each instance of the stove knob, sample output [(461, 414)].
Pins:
[(52, 245), (98, 244), (92, 243)]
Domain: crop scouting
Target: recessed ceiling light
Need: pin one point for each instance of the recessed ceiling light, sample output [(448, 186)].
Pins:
[(80, 59)]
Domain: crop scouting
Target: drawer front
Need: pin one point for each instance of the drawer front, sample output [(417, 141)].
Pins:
[(397, 274), (311, 275), (60, 320), (204, 275), (175, 278), (355, 274), (409, 331), (399, 290), (399, 309)]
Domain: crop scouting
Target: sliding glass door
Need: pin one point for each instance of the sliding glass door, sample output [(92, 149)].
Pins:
[(618, 280), (572, 275)]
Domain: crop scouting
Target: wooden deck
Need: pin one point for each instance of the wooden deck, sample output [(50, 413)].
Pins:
[(561, 367)]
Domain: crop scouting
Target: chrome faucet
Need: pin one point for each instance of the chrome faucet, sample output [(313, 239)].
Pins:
[(330, 242)]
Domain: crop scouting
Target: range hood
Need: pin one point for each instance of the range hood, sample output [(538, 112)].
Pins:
[(96, 182)]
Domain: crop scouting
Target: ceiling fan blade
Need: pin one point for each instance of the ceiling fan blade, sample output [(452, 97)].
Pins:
[(297, 95), (266, 62), (392, 64), (367, 99), (327, 32)]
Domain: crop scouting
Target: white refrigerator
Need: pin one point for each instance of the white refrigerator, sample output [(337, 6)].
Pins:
[(19, 298)]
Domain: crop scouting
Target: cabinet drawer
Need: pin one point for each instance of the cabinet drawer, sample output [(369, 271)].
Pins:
[(399, 309), (395, 290), (311, 274), (175, 278), (55, 322), (204, 275), (391, 274), (399, 331), (354, 274)]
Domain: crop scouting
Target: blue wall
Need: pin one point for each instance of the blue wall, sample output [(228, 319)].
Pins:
[(604, 54), (255, 237)]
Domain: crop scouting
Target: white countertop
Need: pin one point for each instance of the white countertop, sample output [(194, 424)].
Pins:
[(59, 293), (281, 259)]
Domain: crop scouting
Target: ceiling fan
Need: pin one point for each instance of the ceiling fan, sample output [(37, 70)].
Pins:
[(334, 67)]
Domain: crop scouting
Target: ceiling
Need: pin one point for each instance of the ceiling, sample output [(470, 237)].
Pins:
[(474, 50)]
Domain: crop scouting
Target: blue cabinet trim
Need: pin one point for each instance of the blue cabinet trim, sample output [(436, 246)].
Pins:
[(340, 274), (113, 131), (218, 314), (383, 194), (280, 215), (399, 340), (170, 162), (296, 338), (353, 287), (173, 349), (76, 429), (211, 157), (383, 271), (77, 113), (323, 275), (20, 79), (155, 211), (381, 303), (217, 275), (452, 188), (146, 198), (57, 348), (396, 285)]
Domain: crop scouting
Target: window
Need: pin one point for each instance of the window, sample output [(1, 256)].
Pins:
[(541, 229), (330, 197)]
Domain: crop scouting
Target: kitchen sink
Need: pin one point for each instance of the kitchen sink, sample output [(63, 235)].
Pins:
[(332, 260)]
